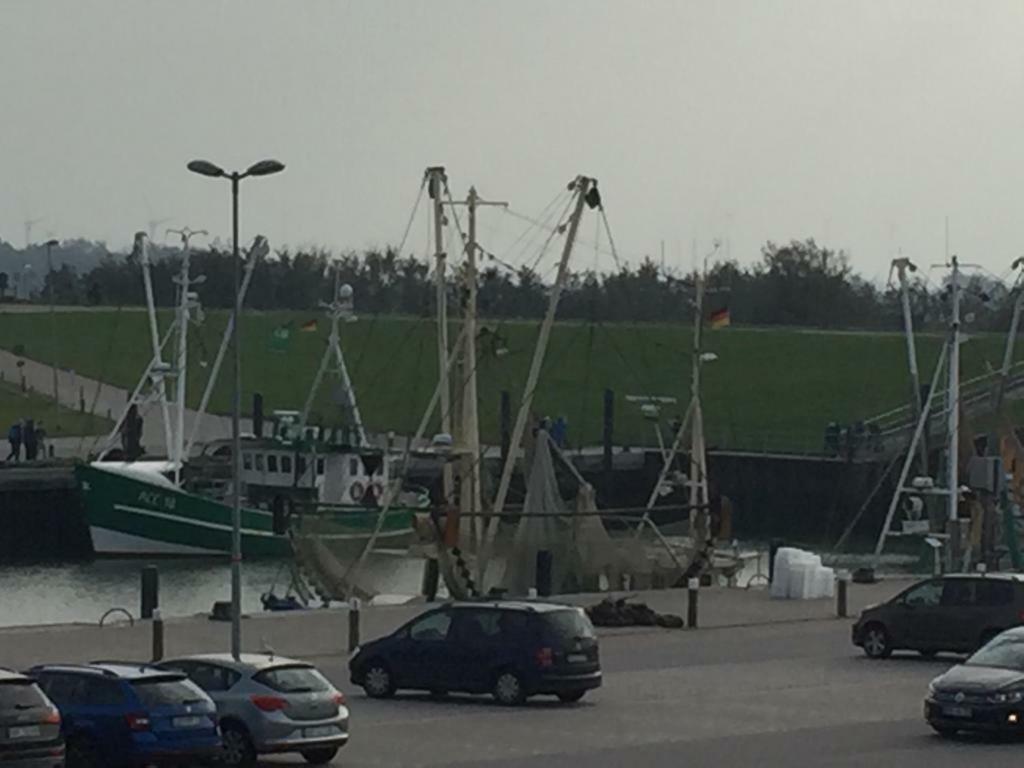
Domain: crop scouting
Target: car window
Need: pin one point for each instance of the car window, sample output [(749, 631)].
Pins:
[(58, 687), (1005, 652), (295, 678), (925, 595), (92, 690), (477, 626), (993, 592), (20, 694), (166, 691), (434, 627), (569, 624), (211, 677), (959, 592)]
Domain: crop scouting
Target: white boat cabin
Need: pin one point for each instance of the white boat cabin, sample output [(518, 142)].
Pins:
[(321, 462)]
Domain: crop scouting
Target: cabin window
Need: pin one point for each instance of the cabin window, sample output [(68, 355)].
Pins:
[(353, 466), (300, 462), (247, 460), (259, 462), (271, 462), (320, 466), (286, 464)]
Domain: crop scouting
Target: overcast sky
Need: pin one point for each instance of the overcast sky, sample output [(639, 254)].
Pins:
[(861, 124)]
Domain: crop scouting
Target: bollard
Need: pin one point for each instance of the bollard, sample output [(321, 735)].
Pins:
[(431, 577), (158, 635), (693, 588), (841, 604), (353, 624), (545, 563), (150, 591), (773, 547)]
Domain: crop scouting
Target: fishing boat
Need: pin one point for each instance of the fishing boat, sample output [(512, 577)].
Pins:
[(182, 505)]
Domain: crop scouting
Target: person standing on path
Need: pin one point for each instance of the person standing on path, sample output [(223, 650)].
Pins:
[(14, 438), (28, 437)]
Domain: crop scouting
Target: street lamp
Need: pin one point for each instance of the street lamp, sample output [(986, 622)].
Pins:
[(50, 245), (262, 168)]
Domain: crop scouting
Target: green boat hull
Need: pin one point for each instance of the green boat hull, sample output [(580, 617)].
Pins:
[(129, 515)]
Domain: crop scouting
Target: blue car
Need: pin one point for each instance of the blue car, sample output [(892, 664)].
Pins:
[(512, 650), (121, 714)]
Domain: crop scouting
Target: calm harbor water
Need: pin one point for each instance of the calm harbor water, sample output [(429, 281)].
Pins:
[(83, 592)]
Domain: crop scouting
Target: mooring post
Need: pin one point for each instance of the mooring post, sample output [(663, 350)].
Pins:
[(431, 578), (506, 424), (158, 635), (353, 623), (693, 589), (607, 439), (545, 564), (841, 586), (150, 591)]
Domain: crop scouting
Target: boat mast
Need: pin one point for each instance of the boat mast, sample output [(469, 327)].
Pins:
[(159, 375), (1011, 338), (584, 187), (181, 365), (698, 458), (902, 265), (469, 465), (340, 307), (259, 250), (953, 404), (436, 182)]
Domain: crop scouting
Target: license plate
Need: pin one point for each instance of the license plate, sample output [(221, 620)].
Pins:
[(23, 732), (577, 658), (956, 711), (320, 731), (187, 722)]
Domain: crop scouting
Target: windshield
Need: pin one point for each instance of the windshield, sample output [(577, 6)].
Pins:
[(20, 694), (293, 679), (567, 625), (1002, 652), (163, 692)]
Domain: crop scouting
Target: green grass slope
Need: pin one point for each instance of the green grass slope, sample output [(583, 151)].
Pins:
[(769, 388), (15, 404)]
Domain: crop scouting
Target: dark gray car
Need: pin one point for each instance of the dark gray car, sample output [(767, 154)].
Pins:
[(29, 725), (957, 613)]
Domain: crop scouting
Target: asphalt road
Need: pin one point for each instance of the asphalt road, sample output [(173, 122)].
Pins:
[(794, 695)]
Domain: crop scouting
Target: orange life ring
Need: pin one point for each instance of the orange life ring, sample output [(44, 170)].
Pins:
[(356, 491)]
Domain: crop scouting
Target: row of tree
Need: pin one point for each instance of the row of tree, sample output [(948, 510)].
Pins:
[(799, 284)]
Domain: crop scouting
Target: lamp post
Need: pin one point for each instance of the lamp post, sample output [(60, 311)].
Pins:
[(262, 168), (50, 245)]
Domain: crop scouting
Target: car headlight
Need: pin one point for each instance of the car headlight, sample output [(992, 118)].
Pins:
[(1007, 697)]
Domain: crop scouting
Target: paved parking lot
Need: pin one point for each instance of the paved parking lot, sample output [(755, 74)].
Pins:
[(788, 695)]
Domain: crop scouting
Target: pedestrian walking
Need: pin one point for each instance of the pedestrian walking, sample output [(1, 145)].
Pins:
[(41, 440), (14, 438), (28, 437)]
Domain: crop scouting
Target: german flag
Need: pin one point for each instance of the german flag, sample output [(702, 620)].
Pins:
[(719, 318), (309, 326)]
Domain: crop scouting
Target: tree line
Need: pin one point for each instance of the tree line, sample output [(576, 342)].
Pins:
[(800, 283)]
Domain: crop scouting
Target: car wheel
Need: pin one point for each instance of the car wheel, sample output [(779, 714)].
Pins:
[(944, 731), (320, 756), (876, 642), (238, 749), (377, 682), (82, 753), (508, 688), (569, 697)]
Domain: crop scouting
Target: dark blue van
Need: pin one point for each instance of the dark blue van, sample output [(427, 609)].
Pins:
[(511, 650), (120, 714)]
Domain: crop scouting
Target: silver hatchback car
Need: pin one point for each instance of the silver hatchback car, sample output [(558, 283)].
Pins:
[(270, 704)]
